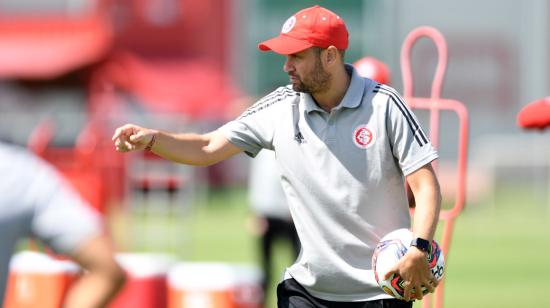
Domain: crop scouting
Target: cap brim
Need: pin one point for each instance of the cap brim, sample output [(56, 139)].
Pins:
[(284, 45)]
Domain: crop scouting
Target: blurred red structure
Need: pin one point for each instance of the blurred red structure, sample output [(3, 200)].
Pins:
[(79, 164), (182, 29), (146, 284), (435, 104), (45, 47), (535, 115), (213, 285), (37, 280), (169, 54), (194, 88)]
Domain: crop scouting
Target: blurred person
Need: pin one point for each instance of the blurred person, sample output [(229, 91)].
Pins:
[(345, 145), (272, 216), (35, 201), (374, 69)]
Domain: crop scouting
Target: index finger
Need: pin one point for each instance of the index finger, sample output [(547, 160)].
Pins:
[(393, 270), (119, 131), (116, 134)]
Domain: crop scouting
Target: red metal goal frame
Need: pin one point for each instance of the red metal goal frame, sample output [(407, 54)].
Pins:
[(435, 104)]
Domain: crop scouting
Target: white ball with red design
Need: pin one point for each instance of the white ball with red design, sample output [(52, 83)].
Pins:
[(390, 249)]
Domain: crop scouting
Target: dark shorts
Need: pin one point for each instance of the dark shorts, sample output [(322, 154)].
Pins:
[(290, 294)]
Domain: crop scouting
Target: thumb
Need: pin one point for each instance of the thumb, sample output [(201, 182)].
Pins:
[(139, 137)]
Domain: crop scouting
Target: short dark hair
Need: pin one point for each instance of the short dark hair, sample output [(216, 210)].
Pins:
[(342, 53), (318, 51)]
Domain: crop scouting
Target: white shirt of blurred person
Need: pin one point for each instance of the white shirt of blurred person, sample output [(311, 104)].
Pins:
[(268, 202), (36, 202), (345, 145)]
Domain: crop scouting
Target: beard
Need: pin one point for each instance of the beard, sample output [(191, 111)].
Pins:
[(318, 80)]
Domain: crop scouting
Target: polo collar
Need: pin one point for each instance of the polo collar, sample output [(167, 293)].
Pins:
[(352, 98), (309, 103)]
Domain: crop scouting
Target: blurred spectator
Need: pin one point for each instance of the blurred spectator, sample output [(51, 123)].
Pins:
[(35, 201), (268, 202), (374, 69)]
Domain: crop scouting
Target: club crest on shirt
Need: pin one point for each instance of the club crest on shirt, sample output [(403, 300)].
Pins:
[(363, 136)]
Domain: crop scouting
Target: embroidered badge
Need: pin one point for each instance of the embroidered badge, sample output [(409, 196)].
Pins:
[(363, 137), (289, 24)]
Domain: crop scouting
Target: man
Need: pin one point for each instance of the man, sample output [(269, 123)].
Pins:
[(344, 145), (35, 201)]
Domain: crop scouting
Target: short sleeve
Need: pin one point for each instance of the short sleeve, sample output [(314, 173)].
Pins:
[(61, 218), (410, 144), (255, 128)]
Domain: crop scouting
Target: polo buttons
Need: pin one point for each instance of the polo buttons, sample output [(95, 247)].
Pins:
[(331, 128)]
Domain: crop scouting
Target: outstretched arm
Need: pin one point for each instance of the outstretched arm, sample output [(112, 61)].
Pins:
[(190, 149)]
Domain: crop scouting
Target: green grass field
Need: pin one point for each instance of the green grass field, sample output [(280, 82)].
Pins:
[(498, 257), (500, 254)]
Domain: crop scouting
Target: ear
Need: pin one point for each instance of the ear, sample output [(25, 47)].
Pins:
[(332, 55)]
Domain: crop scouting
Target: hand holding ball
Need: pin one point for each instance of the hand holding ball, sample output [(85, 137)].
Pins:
[(393, 247)]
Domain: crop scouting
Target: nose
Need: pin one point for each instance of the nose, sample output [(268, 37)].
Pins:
[(287, 67)]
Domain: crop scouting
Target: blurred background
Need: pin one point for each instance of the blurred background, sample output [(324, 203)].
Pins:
[(71, 71)]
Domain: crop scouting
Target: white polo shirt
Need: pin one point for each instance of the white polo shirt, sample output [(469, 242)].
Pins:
[(35, 201), (265, 193), (343, 175)]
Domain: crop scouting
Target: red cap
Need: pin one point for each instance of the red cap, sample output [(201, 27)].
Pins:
[(314, 26)]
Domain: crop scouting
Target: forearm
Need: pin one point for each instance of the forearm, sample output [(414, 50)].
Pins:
[(190, 149), (426, 214), (93, 290), (427, 194), (103, 277)]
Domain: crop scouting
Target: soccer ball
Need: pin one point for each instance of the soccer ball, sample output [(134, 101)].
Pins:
[(389, 250)]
